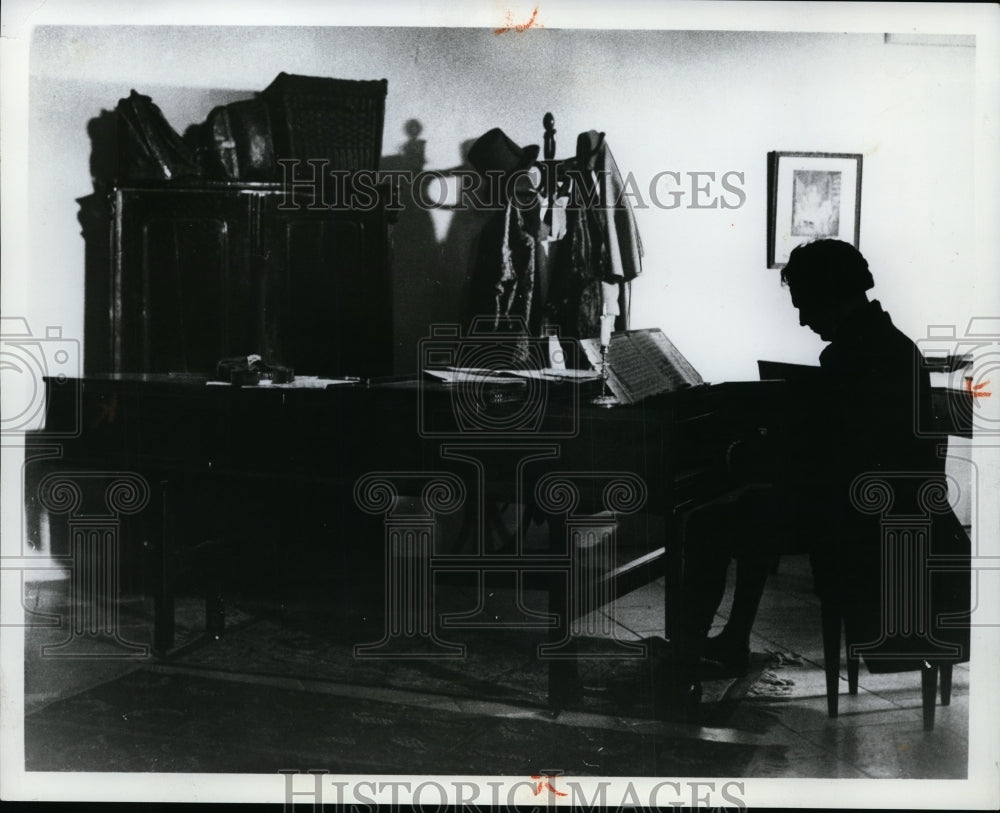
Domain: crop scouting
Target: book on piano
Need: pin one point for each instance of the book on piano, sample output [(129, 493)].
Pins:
[(642, 363)]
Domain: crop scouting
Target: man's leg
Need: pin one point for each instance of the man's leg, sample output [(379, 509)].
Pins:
[(707, 553), (763, 527)]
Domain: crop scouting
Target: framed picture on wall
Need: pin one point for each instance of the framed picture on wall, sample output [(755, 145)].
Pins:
[(811, 195)]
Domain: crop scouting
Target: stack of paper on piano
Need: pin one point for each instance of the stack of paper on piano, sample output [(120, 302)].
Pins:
[(300, 382), (483, 375)]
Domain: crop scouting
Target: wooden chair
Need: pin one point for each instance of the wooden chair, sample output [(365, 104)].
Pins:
[(891, 597), (832, 623)]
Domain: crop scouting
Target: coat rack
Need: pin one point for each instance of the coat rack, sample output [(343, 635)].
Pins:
[(554, 176)]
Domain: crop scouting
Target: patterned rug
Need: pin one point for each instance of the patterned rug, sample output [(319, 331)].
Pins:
[(149, 721), (306, 640)]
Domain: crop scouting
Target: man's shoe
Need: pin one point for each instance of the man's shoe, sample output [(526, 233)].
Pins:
[(722, 659)]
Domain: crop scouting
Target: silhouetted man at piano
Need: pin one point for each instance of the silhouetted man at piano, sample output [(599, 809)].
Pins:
[(856, 415)]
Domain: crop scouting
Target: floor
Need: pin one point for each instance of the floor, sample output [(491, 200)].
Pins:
[(879, 732)]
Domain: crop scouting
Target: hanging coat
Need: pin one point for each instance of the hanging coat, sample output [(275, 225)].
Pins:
[(504, 288), (601, 244)]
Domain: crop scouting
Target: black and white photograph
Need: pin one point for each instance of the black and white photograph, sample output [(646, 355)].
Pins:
[(555, 404)]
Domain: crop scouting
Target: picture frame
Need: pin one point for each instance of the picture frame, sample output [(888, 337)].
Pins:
[(811, 195)]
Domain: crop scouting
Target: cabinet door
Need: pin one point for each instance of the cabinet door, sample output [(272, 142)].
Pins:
[(328, 280), (184, 291)]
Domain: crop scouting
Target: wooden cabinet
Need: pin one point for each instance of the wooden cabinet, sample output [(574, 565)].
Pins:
[(203, 272)]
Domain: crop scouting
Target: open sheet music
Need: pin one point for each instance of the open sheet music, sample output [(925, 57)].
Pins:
[(642, 363)]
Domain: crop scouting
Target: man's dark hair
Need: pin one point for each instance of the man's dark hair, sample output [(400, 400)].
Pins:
[(826, 271)]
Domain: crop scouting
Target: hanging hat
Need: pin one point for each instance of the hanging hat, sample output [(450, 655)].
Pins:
[(495, 152)]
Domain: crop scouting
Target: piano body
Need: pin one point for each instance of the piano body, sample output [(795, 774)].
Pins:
[(221, 462), (237, 477)]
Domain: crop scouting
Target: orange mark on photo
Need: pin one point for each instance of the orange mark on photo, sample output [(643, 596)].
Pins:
[(977, 390), (520, 29), (544, 782)]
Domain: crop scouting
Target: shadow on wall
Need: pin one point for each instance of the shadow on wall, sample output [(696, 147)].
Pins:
[(94, 215), (461, 245), (431, 278)]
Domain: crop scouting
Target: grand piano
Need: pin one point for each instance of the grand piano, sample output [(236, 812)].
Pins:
[(186, 472), (205, 459)]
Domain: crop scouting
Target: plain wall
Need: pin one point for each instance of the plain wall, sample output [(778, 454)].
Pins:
[(667, 101)]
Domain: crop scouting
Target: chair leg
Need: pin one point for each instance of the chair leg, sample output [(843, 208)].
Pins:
[(928, 685), (831, 654), (853, 665), (946, 684)]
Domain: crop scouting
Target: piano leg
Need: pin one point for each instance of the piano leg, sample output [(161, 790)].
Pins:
[(163, 594), (565, 687)]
